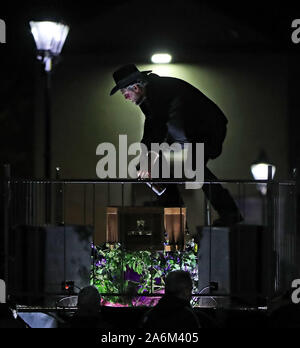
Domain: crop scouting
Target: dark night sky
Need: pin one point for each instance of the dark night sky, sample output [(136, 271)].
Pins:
[(272, 20), (104, 27)]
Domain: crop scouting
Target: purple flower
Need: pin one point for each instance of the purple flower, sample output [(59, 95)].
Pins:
[(157, 281), (131, 275)]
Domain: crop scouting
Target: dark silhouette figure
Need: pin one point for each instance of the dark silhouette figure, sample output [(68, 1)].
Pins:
[(88, 314), (173, 311), (177, 112)]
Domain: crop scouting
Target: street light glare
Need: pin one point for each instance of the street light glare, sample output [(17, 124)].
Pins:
[(260, 171), (161, 58), (49, 36)]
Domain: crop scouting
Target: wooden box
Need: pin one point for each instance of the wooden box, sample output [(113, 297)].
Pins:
[(146, 228)]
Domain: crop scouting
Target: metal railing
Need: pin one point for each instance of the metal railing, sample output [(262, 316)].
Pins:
[(83, 203)]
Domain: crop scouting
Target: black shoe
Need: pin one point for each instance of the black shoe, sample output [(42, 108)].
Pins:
[(228, 220)]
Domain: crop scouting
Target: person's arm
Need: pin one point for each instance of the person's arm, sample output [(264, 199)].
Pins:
[(147, 162), (155, 131)]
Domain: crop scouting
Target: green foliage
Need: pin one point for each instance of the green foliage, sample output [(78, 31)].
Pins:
[(119, 273)]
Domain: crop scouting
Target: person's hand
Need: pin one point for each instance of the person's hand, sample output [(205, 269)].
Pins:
[(145, 168), (147, 162)]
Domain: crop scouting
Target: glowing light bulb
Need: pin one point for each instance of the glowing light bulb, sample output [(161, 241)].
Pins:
[(161, 58)]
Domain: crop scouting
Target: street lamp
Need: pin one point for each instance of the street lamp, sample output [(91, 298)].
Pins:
[(260, 171), (49, 38)]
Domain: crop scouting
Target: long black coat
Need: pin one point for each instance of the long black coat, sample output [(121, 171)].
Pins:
[(171, 313), (176, 111)]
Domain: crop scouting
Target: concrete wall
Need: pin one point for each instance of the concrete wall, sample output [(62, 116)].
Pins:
[(250, 89)]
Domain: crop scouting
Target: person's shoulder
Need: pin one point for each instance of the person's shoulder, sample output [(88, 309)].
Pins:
[(171, 87), (157, 79), (166, 79)]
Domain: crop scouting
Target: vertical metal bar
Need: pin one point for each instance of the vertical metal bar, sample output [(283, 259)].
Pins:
[(41, 204), (21, 203), (271, 236), (26, 205), (94, 206), (294, 218), (29, 202), (35, 195), (269, 173), (13, 208), (210, 235), (48, 149), (207, 207), (25, 202), (63, 212), (208, 212), (182, 231), (108, 194), (7, 201), (84, 204), (94, 229), (277, 237), (31, 185), (281, 236), (122, 193), (123, 231), (64, 229), (48, 202), (58, 198)]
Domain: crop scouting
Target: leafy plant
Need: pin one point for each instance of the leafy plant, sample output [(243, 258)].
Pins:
[(121, 275)]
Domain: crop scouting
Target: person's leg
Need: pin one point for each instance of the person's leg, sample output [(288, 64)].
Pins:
[(219, 197), (221, 200)]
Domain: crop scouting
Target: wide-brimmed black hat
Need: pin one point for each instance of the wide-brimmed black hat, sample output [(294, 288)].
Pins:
[(126, 75)]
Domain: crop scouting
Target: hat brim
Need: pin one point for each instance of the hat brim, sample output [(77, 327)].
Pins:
[(128, 80)]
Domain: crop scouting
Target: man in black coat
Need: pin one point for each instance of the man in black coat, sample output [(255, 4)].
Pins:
[(173, 310), (177, 112)]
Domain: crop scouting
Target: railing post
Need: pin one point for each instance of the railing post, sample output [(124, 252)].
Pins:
[(207, 212), (58, 198), (295, 247), (6, 215), (272, 237)]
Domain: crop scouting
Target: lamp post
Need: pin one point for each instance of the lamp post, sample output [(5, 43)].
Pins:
[(49, 38), (262, 169)]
